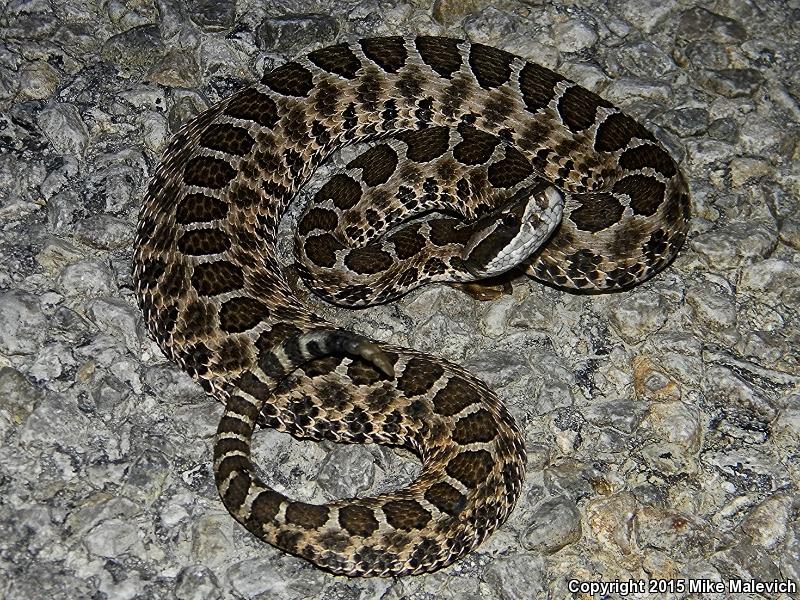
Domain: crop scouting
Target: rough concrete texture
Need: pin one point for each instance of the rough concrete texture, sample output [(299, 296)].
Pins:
[(662, 424)]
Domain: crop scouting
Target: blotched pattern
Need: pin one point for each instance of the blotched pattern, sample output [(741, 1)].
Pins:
[(471, 128)]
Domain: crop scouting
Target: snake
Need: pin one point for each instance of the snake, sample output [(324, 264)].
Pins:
[(481, 162)]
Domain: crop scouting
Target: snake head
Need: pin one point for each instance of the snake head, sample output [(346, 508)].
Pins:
[(508, 235)]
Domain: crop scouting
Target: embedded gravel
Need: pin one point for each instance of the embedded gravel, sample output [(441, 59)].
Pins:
[(662, 424)]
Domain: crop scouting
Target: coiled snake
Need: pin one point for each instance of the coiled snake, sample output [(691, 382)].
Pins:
[(486, 161)]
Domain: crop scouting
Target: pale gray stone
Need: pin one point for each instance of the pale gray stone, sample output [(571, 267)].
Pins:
[(699, 23), (644, 14), (768, 522), (737, 244), (347, 472), (283, 34), (196, 582), (644, 59), (703, 53), (111, 538), (105, 232), (283, 576), (624, 415), (745, 561), (569, 478), (687, 121), (724, 129), (64, 127), (639, 314), (517, 577), (770, 275), (118, 318), (212, 15), (37, 80), (19, 396), (552, 526), (574, 35), (733, 83), (21, 323), (138, 47), (86, 278), (713, 306)]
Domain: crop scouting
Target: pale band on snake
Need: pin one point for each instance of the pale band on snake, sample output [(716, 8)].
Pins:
[(484, 162)]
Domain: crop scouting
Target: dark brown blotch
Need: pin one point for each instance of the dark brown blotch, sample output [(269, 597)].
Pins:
[(596, 211), (648, 155), (318, 218), (252, 385), (151, 271), (363, 373), (616, 132), (252, 105), (677, 206), (537, 85), (475, 147), (291, 79), (219, 277), (321, 249), (207, 171), (419, 376), (227, 138), (377, 164), (198, 242), (510, 170), (338, 59), (646, 193), (475, 427), (406, 514), (581, 263), (265, 508), (199, 317), (444, 232), (239, 485), (289, 540), (389, 53), (426, 144), (341, 189), (232, 355), (240, 314), (321, 366), (454, 397), (578, 107), (307, 516), (440, 54), (407, 241), (471, 467), (198, 208), (491, 66), (358, 520), (446, 498), (174, 282), (368, 260), (239, 427), (275, 335), (434, 266)]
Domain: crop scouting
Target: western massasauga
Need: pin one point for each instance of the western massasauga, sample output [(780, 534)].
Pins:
[(487, 161)]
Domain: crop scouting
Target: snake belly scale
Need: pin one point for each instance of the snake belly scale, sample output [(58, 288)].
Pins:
[(468, 135)]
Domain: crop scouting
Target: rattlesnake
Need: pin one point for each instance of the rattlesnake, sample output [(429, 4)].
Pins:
[(495, 145)]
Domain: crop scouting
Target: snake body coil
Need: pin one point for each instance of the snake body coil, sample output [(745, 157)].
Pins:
[(485, 160)]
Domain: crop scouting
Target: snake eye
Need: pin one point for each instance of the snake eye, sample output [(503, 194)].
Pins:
[(509, 220)]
